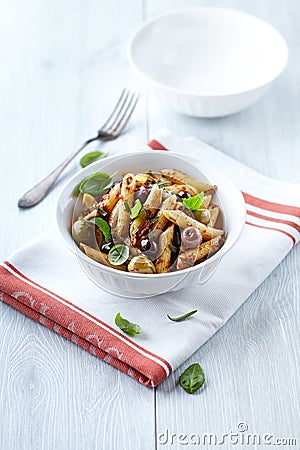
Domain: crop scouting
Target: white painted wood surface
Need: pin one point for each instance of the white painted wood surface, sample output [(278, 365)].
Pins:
[(63, 65)]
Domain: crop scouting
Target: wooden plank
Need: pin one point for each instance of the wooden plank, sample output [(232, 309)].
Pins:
[(54, 393)]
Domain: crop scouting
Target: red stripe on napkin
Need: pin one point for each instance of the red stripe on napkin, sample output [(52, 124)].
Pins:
[(155, 145), (273, 229), (89, 332), (100, 322), (271, 206), (83, 343), (273, 219)]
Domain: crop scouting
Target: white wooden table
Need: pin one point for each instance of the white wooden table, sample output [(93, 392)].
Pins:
[(63, 64)]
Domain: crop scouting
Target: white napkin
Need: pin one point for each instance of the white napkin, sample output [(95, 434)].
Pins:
[(44, 280)]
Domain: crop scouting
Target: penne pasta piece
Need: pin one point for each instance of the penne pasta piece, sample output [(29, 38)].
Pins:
[(184, 221), (190, 257), (88, 202), (113, 218), (109, 200), (214, 213), (100, 257), (181, 178), (136, 227), (207, 200), (176, 188), (181, 207), (91, 215), (134, 251), (127, 195), (198, 214), (162, 221), (143, 179), (153, 202), (163, 262)]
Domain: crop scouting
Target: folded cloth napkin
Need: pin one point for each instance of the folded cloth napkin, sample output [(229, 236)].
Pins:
[(44, 280)]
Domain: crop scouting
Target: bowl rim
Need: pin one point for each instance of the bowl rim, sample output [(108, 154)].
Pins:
[(69, 186), (183, 92)]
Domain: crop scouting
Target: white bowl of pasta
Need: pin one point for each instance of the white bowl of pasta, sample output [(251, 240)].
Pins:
[(142, 224)]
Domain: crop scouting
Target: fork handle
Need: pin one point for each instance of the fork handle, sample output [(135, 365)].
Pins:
[(38, 192)]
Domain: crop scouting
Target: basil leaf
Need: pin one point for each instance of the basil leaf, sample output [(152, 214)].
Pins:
[(127, 207), (96, 183), (192, 378), (183, 317), (195, 202), (91, 157), (103, 226), (118, 254), (126, 326), (136, 209)]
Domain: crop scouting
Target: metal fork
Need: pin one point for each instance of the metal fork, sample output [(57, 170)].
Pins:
[(111, 129)]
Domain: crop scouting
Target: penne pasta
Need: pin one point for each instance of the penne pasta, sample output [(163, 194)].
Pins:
[(98, 256), (153, 201), (163, 262), (181, 178), (176, 188), (113, 218), (137, 226), (207, 200), (134, 251), (179, 206), (141, 222), (143, 179), (109, 200), (214, 214), (88, 202), (127, 198), (184, 221), (161, 222), (91, 215), (190, 257)]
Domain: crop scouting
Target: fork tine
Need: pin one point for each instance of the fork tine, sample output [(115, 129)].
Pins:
[(117, 109), (124, 118)]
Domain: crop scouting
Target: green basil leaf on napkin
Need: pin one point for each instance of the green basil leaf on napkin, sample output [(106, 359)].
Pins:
[(136, 209), (183, 317), (103, 226), (194, 203), (126, 326), (192, 378), (96, 183), (91, 157), (118, 254)]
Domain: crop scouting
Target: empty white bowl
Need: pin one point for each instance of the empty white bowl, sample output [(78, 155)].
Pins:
[(208, 62), (127, 284)]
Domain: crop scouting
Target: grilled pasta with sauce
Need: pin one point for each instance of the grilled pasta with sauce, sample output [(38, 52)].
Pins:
[(147, 222)]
